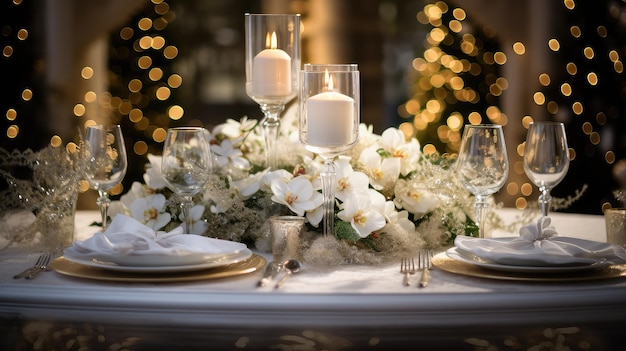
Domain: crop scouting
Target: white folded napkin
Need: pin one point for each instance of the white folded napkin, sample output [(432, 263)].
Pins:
[(539, 245), (126, 237)]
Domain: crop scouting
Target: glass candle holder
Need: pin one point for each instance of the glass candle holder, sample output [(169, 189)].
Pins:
[(329, 121), (272, 66)]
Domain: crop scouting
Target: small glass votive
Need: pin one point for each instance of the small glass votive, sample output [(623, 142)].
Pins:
[(615, 219), (285, 237)]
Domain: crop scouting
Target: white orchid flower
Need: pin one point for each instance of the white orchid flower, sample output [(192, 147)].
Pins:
[(228, 155), (359, 212), (367, 137), (269, 176), (137, 190), (117, 207), (394, 143), (383, 172), (401, 218), (315, 216), (248, 186), (153, 176), (151, 211), (310, 168), (297, 194), (234, 129), (348, 180), (378, 200), (415, 200), (198, 225)]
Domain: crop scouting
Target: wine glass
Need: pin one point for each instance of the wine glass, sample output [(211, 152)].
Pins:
[(105, 165), (272, 65), (546, 158), (482, 166), (186, 165), (329, 121)]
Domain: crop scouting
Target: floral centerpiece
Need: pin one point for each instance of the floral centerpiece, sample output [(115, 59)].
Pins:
[(391, 199)]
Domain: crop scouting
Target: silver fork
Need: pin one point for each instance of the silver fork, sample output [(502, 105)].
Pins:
[(424, 263), (42, 263), (43, 266), (407, 266)]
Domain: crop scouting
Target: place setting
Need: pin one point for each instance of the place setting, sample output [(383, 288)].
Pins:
[(539, 253), (131, 251)]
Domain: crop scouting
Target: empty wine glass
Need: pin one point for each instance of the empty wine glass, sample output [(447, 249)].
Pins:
[(186, 165), (105, 166), (546, 158), (482, 166), (329, 121)]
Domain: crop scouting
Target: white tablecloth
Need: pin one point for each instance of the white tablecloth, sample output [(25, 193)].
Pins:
[(353, 305)]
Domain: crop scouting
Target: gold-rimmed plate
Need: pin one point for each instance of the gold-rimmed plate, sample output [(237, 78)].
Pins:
[(468, 257), (446, 263), (101, 262), (77, 270)]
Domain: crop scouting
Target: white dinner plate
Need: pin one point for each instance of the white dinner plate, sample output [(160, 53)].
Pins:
[(477, 261), (214, 261), (220, 248)]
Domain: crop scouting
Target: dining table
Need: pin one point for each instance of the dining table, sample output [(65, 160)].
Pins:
[(340, 307)]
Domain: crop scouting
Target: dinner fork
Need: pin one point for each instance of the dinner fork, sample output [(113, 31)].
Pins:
[(407, 266), (41, 264), (424, 263)]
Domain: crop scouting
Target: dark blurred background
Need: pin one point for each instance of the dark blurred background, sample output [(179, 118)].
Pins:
[(428, 67)]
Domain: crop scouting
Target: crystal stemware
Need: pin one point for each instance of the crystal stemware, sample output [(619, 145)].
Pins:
[(272, 65), (186, 165), (482, 166), (105, 164), (546, 158), (329, 121)]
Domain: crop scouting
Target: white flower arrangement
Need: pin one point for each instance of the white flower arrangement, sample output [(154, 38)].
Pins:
[(390, 198)]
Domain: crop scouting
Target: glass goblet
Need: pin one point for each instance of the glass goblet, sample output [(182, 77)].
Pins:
[(186, 165), (482, 166), (105, 162), (272, 65), (329, 121), (546, 158)]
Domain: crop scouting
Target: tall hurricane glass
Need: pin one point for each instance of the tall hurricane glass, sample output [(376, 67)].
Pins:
[(186, 165), (329, 121), (105, 164), (272, 66), (482, 165), (546, 158)]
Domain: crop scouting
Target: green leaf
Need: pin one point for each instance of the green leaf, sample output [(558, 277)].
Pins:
[(371, 243), (344, 231)]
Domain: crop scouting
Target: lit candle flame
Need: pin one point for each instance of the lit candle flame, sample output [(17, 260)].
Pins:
[(328, 80), (270, 40)]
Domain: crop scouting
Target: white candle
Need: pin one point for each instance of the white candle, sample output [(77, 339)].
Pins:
[(330, 118), (271, 72)]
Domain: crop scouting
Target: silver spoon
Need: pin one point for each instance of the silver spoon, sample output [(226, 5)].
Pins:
[(292, 266), (271, 270)]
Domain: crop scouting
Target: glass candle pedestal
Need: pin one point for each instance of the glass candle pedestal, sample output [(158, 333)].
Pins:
[(329, 121), (272, 65)]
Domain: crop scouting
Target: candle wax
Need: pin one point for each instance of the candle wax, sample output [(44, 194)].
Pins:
[(330, 119), (271, 73)]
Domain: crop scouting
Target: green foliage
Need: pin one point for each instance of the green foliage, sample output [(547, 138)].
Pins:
[(344, 231)]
